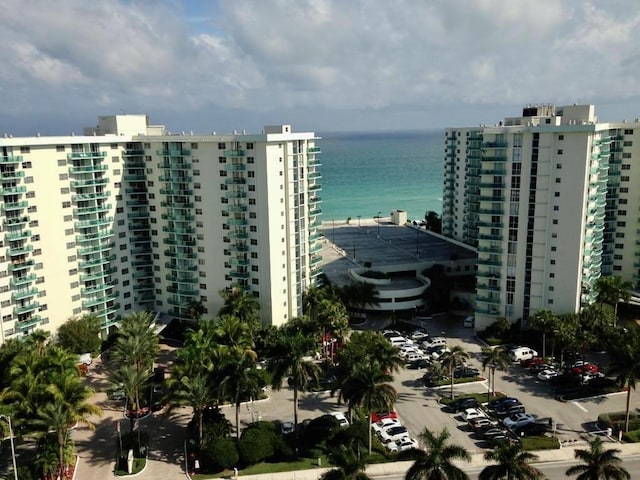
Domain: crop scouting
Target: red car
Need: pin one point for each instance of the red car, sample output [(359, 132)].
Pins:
[(530, 362), (586, 368), (377, 416)]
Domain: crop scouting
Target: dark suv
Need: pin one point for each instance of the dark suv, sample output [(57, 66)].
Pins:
[(462, 404)]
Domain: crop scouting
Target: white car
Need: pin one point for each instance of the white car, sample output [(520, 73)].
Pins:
[(392, 434), (385, 423), (403, 444), (471, 413), (547, 374), (342, 420), (518, 420)]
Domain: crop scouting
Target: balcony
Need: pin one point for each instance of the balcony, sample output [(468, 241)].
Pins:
[(88, 169), (181, 242), (11, 174), (315, 248), (90, 196), (314, 187), (94, 262), (192, 279), (102, 208), (15, 205), (97, 275), (237, 222), (22, 280), (242, 262), (173, 206), (12, 236), (87, 237), (137, 203), (13, 190), (236, 208), (179, 230), (238, 247), (238, 235), (92, 290), (235, 167), (20, 265), (174, 152), (314, 175), (24, 293), (314, 150), (20, 250), (10, 159), (315, 211), (234, 153), (133, 152), (181, 267), (135, 177), (183, 290), (28, 323), (175, 166), (181, 255), (235, 194), (92, 302), (235, 181), (95, 222), (25, 308), (138, 274), (495, 144), (77, 155), (241, 275), (91, 182), (315, 260)]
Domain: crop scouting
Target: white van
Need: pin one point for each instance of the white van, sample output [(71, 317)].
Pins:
[(398, 341), (522, 353)]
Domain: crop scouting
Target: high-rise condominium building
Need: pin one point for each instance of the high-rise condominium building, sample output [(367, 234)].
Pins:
[(549, 199), (129, 217)]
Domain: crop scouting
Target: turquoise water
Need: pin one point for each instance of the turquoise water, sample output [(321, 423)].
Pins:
[(367, 173)]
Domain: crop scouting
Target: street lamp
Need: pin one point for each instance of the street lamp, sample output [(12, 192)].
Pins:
[(13, 451), (333, 231), (378, 217), (417, 243), (359, 217)]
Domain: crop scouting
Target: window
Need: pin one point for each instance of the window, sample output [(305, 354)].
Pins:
[(249, 145), (556, 208), (73, 271), (628, 131), (60, 148), (626, 166), (622, 212), (557, 179), (560, 137), (68, 231), (194, 146), (66, 204), (222, 145), (556, 194), (624, 179), (25, 149), (627, 143), (559, 151)]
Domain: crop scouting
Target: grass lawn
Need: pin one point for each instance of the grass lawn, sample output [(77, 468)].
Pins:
[(301, 464)]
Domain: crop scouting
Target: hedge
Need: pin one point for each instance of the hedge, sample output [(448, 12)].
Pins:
[(616, 420)]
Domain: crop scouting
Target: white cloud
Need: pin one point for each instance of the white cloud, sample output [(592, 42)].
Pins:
[(266, 56)]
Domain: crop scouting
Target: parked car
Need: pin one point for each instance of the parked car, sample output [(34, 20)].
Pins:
[(508, 409), (287, 428), (472, 413), (439, 351), (342, 420), (493, 404), (492, 432), (385, 423), (462, 404), (548, 374), (402, 445), (419, 364), (518, 420), (377, 416), (466, 372), (392, 434), (522, 353), (468, 322), (585, 368), (434, 342), (531, 430), (538, 367), (479, 423), (529, 362)]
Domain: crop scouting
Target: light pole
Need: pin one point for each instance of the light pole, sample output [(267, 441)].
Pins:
[(13, 451), (333, 231), (359, 217), (417, 243), (378, 217)]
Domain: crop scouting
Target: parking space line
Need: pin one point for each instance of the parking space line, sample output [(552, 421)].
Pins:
[(580, 406)]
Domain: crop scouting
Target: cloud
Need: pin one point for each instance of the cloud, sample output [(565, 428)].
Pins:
[(260, 57)]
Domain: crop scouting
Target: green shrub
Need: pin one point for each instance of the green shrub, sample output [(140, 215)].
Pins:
[(375, 274), (256, 444), (222, 452), (616, 420), (540, 443), (632, 436), (319, 430)]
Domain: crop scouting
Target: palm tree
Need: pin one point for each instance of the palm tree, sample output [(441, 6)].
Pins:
[(358, 295), (137, 342), (512, 462), (369, 386), (612, 290), (624, 359), (131, 381), (195, 309), (242, 304), (451, 359), (235, 334), (195, 392), (544, 320), (350, 465), (293, 363), (436, 463), (598, 463), (241, 381), (495, 358)]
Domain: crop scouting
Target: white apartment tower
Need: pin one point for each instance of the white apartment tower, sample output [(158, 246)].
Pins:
[(549, 199), (129, 217)]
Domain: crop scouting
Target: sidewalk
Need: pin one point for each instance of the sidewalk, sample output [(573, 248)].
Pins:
[(477, 461)]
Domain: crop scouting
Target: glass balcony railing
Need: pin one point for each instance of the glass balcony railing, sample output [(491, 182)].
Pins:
[(88, 169), (20, 265), (10, 159), (11, 174), (7, 206), (234, 153), (235, 167), (236, 274), (25, 308), (24, 293), (21, 280), (13, 190), (78, 155), (175, 166), (12, 236)]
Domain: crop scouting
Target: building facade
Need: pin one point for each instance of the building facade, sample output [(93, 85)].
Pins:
[(549, 201), (129, 217)]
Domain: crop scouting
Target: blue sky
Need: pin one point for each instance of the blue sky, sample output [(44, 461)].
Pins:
[(321, 65)]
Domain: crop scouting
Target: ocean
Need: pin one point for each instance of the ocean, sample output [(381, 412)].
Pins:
[(367, 173)]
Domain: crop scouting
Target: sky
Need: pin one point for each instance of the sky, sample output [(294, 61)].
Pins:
[(319, 65)]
